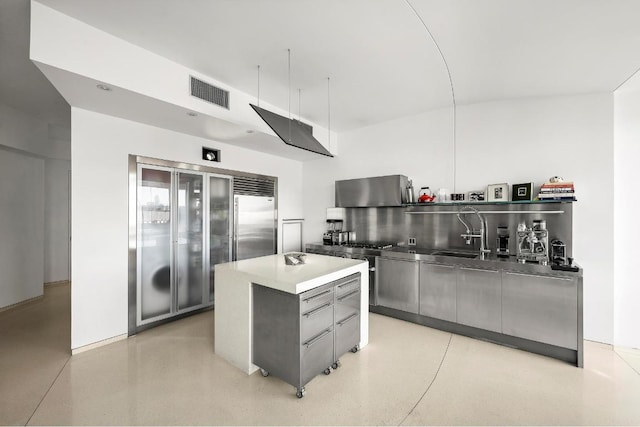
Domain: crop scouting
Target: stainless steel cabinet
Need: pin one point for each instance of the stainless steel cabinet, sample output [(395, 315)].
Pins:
[(296, 337), (438, 291), (540, 308), (479, 299), (397, 284)]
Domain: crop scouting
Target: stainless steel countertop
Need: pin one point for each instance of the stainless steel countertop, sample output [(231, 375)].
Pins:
[(489, 261)]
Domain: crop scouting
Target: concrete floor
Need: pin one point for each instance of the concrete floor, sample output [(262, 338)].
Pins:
[(408, 375)]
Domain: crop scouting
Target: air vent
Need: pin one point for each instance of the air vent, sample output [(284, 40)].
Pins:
[(253, 186), (209, 93)]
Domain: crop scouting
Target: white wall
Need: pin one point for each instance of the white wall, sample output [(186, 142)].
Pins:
[(626, 208), (533, 139), (40, 151), (100, 148), (56, 217), (509, 141), (21, 226)]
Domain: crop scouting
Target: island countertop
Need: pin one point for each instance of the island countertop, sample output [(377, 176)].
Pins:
[(234, 299), (273, 272)]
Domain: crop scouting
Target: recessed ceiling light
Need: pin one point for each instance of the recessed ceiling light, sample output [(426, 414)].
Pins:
[(191, 113), (104, 87)]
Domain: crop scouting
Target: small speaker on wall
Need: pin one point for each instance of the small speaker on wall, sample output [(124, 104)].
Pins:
[(210, 154)]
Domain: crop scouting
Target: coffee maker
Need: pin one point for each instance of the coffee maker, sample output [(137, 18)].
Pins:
[(334, 234), (533, 242), (502, 242)]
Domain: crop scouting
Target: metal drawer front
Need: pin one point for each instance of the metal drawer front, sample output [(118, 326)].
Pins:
[(314, 321), (348, 287), (316, 355), (347, 304), (312, 299), (347, 334), (539, 308)]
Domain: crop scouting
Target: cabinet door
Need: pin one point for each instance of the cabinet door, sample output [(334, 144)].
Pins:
[(190, 241), (438, 291), (540, 308), (479, 299), (397, 284)]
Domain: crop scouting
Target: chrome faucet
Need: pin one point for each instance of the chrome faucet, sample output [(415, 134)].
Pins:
[(469, 235)]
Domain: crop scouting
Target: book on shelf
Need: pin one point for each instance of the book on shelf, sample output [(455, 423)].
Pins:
[(557, 190), (556, 197), (558, 184)]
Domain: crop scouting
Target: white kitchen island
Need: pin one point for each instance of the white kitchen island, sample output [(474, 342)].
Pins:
[(234, 301)]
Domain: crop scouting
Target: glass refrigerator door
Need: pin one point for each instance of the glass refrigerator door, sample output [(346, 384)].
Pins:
[(154, 243), (220, 225), (190, 241)]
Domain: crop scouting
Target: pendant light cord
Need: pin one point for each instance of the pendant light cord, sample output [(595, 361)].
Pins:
[(329, 112), (453, 96), (258, 85)]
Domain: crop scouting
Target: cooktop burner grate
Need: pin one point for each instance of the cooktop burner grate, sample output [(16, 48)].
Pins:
[(365, 245)]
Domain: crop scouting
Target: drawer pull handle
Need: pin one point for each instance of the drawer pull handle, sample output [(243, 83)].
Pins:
[(357, 291), (342, 322), (350, 282), (317, 296), (317, 338), (317, 310)]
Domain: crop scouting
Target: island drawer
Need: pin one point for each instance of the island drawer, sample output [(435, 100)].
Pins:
[(315, 298), (347, 304), (347, 334), (316, 355), (348, 284), (316, 320)]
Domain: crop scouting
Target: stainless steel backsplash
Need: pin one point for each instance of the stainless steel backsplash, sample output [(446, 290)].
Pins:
[(438, 227)]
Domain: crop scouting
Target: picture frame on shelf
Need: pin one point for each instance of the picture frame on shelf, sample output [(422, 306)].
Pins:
[(498, 192), (520, 192), (476, 196)]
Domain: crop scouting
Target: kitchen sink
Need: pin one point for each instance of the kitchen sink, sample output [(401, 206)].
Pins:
[(455, 254)]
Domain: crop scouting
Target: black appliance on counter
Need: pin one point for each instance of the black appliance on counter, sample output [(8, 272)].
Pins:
[(366, 251)]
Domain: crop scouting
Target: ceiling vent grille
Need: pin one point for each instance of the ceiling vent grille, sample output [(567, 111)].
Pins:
[(209, 93), (253, 186)]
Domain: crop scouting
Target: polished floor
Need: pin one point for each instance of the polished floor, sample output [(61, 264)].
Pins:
[(408, 375)]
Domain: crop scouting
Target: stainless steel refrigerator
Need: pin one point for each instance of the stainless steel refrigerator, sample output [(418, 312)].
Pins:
[(254, 227)]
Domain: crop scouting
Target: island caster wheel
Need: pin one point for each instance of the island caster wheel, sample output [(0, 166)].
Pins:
[(336, 364), (301, 392), (264, 372), (355, 349), (327, 371)]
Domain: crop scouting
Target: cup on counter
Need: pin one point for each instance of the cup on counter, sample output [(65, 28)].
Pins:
[(443, 195)]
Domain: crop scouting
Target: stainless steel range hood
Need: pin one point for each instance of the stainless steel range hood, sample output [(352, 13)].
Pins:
[(371, 192), (292, 132)]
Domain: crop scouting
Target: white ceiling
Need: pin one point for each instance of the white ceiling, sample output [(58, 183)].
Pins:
[(381, 60)]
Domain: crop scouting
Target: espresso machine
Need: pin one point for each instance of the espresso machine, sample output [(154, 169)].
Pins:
[(502, 242), (533, 242)]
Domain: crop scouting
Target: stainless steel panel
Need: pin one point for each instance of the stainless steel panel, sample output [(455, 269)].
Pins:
[(315, 321), (346, 305), (479, 299), (347, 334), (393, 224), (543, 309), (438, 291), (255, 233), (375, 191), (397, 284), (316, 356), (315, 298)]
